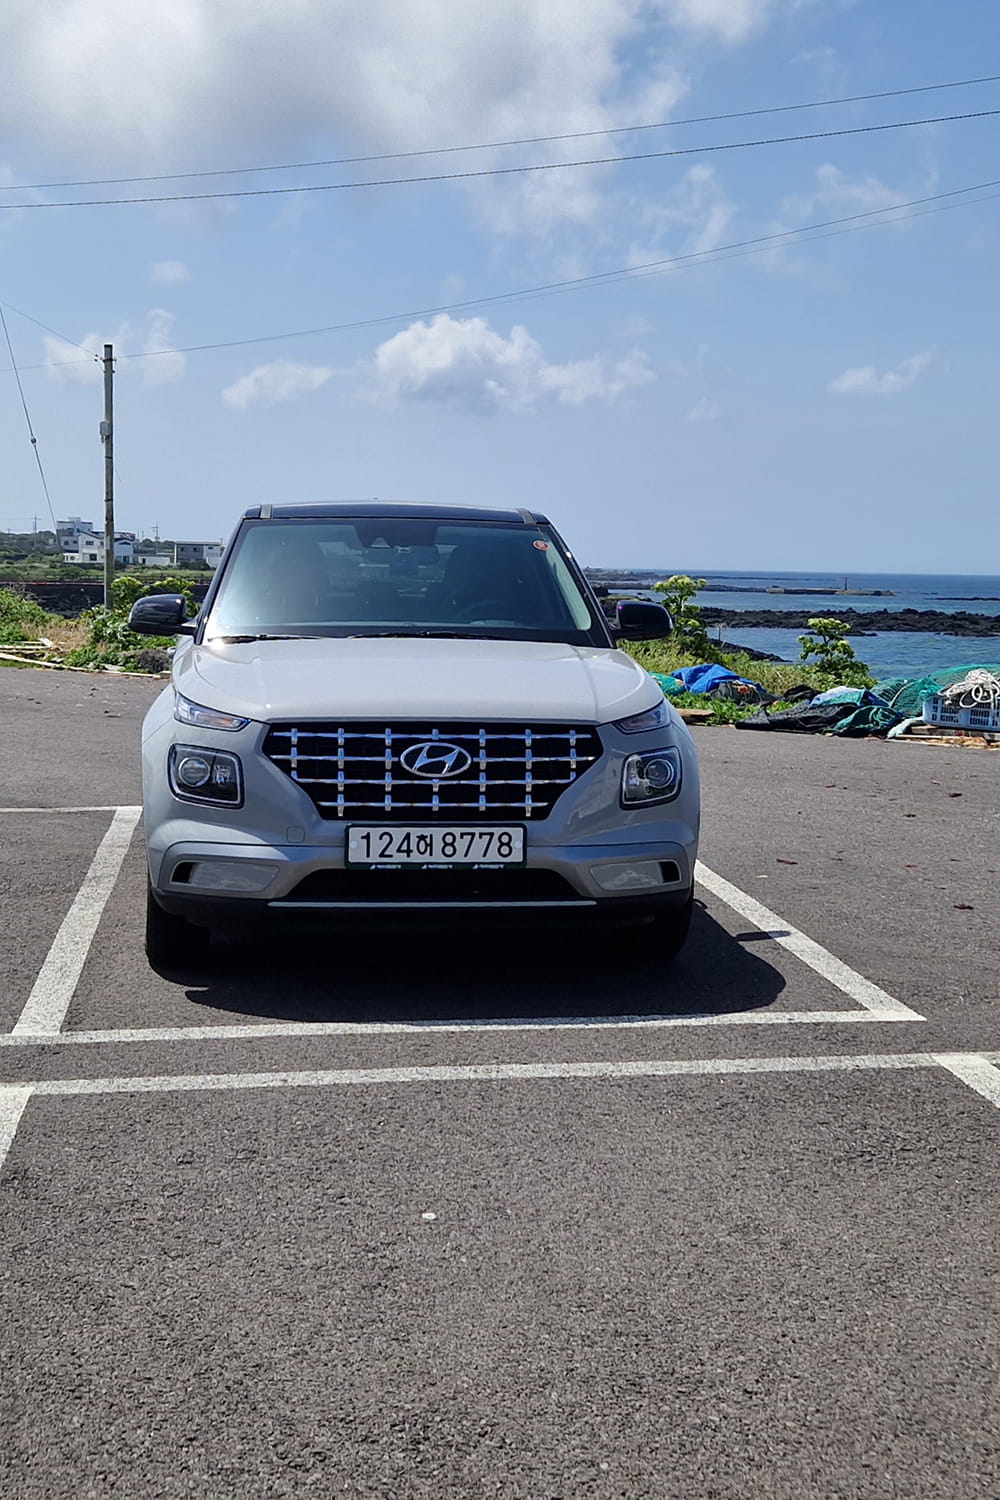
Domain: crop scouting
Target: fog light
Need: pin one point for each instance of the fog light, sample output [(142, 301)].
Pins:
[(644, 875), (239, 875)]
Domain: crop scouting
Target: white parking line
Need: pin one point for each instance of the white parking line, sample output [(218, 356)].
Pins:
[(975, 1070), (480, 1073), (819, 959), (45, 1012), (111, 807), (300, 1029), (972, 1068), (52, 992), (12, 1102)]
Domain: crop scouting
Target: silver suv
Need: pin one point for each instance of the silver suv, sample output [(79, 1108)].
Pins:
[(409, 714)]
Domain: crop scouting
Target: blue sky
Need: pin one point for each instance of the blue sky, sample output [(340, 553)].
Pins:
[(821, 406)]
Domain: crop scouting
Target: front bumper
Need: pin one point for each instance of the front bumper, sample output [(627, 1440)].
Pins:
[(200, 880), (276, 859)]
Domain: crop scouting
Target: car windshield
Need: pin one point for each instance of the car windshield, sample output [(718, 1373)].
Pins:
[(394, 576)]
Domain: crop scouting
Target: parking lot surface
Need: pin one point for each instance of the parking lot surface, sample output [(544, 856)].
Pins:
[(507, 1216)]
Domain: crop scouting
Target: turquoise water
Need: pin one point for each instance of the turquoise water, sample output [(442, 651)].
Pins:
[(977, 593), (889, 653), (894, 653)]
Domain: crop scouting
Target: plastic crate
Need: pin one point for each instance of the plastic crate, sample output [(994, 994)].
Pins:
[(948, 715)]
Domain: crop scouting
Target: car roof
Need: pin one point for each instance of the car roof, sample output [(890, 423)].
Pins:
[(382, 509)]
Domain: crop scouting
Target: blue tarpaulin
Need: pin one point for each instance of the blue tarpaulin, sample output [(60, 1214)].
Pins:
[(703, 678)]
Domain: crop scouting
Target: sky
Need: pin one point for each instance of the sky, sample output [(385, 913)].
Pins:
[(822, 402)]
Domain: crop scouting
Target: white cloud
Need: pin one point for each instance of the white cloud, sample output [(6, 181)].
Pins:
[(464, 362), (836, 194), (866, 381), (166, 364), (697, 211), (386, 75), (704, 411), (169, 272), (728, 20), (282, 380), (69, 363)]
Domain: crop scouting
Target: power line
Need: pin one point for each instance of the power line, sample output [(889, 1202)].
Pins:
[(847, 224), (27, 418), (530, 140), (555, 166), (54, 332)]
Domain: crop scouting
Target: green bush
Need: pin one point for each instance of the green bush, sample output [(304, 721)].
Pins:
[(689, 633), (110, 641), (21, 619), (833, 654)]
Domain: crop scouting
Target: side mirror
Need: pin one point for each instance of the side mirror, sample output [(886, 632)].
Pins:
[(160, 614), (635, 620)]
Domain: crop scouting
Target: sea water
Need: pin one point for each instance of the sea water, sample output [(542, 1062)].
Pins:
[(888, 653)]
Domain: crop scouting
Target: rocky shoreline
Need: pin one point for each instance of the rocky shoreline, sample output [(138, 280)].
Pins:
[(862, 622), (71, 597)]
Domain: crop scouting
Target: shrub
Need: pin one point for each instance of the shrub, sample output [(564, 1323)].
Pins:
[(689, 632), (833, 655), (21, 618), (111, 643)]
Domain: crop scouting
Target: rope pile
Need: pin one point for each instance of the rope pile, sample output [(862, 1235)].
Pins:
[(979, 689)]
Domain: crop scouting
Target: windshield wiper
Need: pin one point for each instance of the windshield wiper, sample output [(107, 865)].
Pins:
[(240, 640), (432, 635)]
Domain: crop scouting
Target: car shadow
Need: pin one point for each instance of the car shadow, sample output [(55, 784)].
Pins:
[(428, 978)]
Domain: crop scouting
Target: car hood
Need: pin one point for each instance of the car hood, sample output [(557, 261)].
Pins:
[(401, 678)]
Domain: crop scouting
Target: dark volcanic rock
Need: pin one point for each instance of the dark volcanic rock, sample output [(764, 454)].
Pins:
[(862, 622)]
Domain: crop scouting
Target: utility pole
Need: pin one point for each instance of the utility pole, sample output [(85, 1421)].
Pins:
[(107, 438)]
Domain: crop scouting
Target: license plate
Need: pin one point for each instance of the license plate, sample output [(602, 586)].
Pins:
[(402, 845)]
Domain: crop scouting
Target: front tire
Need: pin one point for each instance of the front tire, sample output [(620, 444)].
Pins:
[(173, 943), (665, 934)]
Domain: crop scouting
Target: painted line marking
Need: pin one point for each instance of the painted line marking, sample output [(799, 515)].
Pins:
[(12, 1102), (46, 1006), (819, 959), (111, 807), (300, 1029), (478, 1073), (975, 1070)]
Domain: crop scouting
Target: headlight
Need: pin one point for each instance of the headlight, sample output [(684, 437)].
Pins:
[(651, 718), (205, 718), (654, 776), (200, 775)]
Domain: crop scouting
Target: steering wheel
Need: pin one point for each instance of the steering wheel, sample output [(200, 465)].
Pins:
[(487, 611)]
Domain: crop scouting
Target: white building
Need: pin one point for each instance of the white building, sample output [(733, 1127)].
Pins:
[(197, 554), (70, 530), (88, 547)]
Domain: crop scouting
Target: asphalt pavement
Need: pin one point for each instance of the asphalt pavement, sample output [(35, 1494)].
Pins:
[(507, 1217)]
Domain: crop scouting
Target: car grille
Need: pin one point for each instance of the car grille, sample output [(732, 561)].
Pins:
[(489, 772)]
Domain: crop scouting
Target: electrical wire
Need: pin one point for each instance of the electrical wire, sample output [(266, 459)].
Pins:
[(824, 229), (54, 332), (529, 140), (27, 418), (554, 166)]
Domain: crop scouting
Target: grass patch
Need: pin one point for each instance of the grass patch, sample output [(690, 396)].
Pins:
[(777, 678)]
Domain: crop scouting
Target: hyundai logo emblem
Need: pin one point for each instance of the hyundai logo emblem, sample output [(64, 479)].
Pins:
[(436, 758)]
